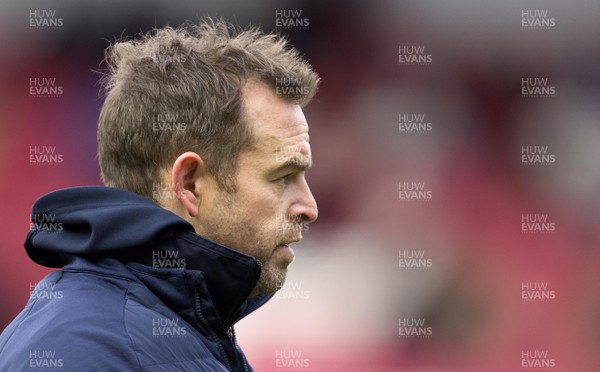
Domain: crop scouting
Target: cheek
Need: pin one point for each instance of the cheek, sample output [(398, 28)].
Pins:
[(262, 207)]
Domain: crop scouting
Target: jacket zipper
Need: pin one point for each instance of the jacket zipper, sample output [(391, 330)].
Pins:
[(231, 333), (212, 332), (233, 338)]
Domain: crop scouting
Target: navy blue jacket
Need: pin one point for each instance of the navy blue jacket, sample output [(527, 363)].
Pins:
[(139, 290)]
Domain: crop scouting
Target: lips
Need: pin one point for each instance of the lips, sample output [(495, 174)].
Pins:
[(284, 250), (291, 241)]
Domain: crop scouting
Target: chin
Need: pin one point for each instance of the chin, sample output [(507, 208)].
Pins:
[(271, 280)]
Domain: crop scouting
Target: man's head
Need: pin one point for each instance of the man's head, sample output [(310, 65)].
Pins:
[(206, 120)]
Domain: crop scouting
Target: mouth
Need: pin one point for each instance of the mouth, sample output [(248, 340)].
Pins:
[(286, 251)]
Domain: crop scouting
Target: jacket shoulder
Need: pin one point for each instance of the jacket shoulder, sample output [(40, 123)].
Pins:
[(86, 321), (73, 320)]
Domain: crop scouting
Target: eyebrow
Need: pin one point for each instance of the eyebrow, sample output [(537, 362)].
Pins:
[(297, 163)]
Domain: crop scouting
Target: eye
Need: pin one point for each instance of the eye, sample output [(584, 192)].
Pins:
[(284, 179)]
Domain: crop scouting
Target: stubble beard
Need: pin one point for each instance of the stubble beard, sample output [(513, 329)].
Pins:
[(227, 227)]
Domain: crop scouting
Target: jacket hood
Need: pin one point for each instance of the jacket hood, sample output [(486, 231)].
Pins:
[(84, 228), (95, 220)]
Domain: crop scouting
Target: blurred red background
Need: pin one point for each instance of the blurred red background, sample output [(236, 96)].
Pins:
[(346, 293)]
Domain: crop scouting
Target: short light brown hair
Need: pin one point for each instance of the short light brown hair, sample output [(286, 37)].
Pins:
[(177, 90)]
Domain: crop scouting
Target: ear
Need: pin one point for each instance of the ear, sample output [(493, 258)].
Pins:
[(185, 177)]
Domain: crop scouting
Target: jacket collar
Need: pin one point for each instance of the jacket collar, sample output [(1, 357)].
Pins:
[(95, 228), (187, 260)]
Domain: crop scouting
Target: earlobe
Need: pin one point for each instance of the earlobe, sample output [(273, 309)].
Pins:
[(186, 172)]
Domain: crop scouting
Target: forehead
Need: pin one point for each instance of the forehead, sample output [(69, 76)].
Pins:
[(273, 120)]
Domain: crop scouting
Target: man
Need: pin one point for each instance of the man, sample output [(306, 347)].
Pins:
[(206, 122)]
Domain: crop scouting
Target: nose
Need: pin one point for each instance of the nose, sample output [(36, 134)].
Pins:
[(304, 209)]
